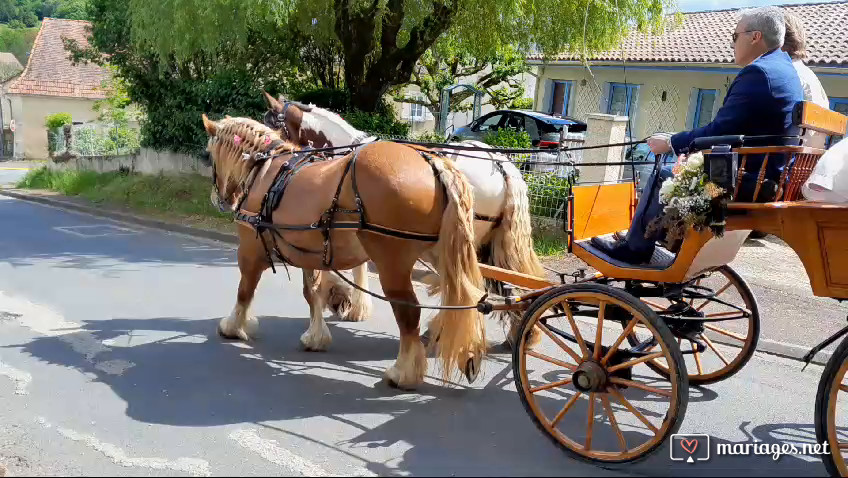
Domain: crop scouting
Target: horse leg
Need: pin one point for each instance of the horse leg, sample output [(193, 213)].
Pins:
[(360, 308), (240, 324), (317, 337)]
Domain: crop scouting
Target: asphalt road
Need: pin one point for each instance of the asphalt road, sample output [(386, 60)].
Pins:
[(110, 365)]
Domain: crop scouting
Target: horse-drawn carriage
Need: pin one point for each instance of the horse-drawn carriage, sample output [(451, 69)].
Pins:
[(603, 364)]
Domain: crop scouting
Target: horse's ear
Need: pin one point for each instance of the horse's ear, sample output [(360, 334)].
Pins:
[(210, 126), (273, 104)]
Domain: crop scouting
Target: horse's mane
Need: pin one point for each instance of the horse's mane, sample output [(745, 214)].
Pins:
[(332, 118), (254, 137)]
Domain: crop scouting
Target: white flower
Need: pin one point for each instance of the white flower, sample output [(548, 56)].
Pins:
[(695, 162), (667, 187)]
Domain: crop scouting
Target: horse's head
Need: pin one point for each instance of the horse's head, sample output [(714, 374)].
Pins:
[(308, 125), (287, 118), (234, 149)]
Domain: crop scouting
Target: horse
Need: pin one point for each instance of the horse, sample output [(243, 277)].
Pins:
[(392, 204), (502, 226)]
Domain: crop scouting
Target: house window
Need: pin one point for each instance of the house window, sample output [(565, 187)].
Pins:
[(416, 112), (840, 105), (561, 97), (622, 101), (704, 107)]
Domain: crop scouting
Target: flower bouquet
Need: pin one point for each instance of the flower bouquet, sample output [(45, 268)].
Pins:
[(691, 200)]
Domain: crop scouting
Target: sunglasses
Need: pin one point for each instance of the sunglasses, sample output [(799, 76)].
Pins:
[(736, 34)]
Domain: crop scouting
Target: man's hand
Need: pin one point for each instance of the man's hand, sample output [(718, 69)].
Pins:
[(660, 143)]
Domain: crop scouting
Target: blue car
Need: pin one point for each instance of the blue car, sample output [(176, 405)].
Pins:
[(643, 157)]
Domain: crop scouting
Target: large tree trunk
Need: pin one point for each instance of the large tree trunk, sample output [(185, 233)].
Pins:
[(368, 79)]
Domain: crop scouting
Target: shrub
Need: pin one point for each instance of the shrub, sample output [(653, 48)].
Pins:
[(57, 120), (521, 104), (508, 138)]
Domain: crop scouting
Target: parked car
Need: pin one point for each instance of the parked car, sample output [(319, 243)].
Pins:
[(643, 157), (544, 129)]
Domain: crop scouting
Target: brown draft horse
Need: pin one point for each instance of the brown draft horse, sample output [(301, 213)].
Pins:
[(502, 226), (401, 190)]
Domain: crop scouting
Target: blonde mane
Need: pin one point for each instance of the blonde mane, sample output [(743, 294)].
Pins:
[(254, 137)]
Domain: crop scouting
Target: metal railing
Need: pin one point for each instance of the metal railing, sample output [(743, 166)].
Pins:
[(95, 139)]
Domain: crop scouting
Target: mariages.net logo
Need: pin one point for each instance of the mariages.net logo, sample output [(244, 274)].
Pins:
[(693, 448)]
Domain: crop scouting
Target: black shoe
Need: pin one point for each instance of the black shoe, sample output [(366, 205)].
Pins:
[(620, 251)]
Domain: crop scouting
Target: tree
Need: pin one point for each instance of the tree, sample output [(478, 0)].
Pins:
[(382, 41), (445, 65), (173, 92)]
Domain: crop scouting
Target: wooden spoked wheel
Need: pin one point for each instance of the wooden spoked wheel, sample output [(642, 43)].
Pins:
[(831, 416), (717, 335), (585, 388)]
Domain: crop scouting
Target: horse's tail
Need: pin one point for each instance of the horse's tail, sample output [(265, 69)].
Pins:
[(512, 239), (458, 335), (511, 243)]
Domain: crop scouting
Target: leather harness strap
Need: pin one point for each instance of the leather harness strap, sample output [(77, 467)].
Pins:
[(262, 221)]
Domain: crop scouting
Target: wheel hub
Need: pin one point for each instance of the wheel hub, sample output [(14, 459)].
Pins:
[(590, 377)]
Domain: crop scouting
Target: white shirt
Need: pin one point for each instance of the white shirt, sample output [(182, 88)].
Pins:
[(813, 90)]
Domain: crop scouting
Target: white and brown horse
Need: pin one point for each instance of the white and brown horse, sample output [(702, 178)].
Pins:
[(502, 228), (397, 202)]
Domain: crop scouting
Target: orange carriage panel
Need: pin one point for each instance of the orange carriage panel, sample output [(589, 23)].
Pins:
[(600, 209)]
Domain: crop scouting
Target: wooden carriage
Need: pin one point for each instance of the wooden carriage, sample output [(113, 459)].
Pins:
[(659, 305)]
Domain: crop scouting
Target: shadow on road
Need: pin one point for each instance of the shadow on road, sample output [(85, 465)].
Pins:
[(208, 382)]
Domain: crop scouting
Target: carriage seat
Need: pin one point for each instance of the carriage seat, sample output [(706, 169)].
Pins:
[(660, 260)]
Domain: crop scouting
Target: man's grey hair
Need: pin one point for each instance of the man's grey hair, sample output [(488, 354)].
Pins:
[(768, 20)]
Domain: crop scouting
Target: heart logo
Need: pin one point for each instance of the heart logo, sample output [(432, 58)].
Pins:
[(689, 445)]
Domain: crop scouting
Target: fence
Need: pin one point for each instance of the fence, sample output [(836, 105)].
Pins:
[(94, 139)]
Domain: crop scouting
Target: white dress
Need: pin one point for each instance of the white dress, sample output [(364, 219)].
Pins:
[(813, 90)]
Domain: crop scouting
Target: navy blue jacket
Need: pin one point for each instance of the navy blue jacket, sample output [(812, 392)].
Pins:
[(759, 102)]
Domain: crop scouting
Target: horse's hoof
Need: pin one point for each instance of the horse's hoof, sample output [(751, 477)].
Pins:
[(316, 342), (244, 333), (394, 379), (472, 369)]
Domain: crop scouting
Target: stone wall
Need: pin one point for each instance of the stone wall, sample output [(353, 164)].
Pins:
[(147, 161)]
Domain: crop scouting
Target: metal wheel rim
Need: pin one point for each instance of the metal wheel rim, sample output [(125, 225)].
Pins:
[(832, 438)]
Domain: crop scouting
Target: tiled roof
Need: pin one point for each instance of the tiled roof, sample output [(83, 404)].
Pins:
[(705, 37), (7, 58), (49, 71)]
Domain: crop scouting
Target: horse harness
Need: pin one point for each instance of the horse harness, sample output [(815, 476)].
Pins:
[(262, 221)]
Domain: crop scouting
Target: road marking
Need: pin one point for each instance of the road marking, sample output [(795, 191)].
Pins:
[(20, 378), (45, 321), (271, 451), (193, 466), (15, 169), (110, 230)]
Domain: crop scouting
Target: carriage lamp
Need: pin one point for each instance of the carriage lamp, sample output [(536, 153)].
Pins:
[(721, 166)]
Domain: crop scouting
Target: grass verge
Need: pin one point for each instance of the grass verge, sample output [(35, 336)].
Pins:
[(184, 197)]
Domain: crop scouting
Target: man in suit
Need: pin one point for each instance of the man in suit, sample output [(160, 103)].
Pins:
[(759, 102)]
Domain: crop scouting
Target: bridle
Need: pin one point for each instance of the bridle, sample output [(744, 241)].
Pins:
[(258, 158)]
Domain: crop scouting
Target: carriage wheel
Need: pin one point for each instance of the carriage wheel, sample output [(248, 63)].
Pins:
[(722, 347), (828, 416), (584, 388)]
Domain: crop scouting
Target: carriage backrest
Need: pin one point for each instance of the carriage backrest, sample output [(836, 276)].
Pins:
[(811, 126), (598, 209)]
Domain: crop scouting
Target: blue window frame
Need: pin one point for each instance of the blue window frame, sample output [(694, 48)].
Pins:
[(622, 101), (561, 97), (704, 107), (840, 105)]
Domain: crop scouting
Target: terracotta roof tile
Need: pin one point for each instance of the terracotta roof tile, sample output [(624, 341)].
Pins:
[(49, 71), (705, 37)]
